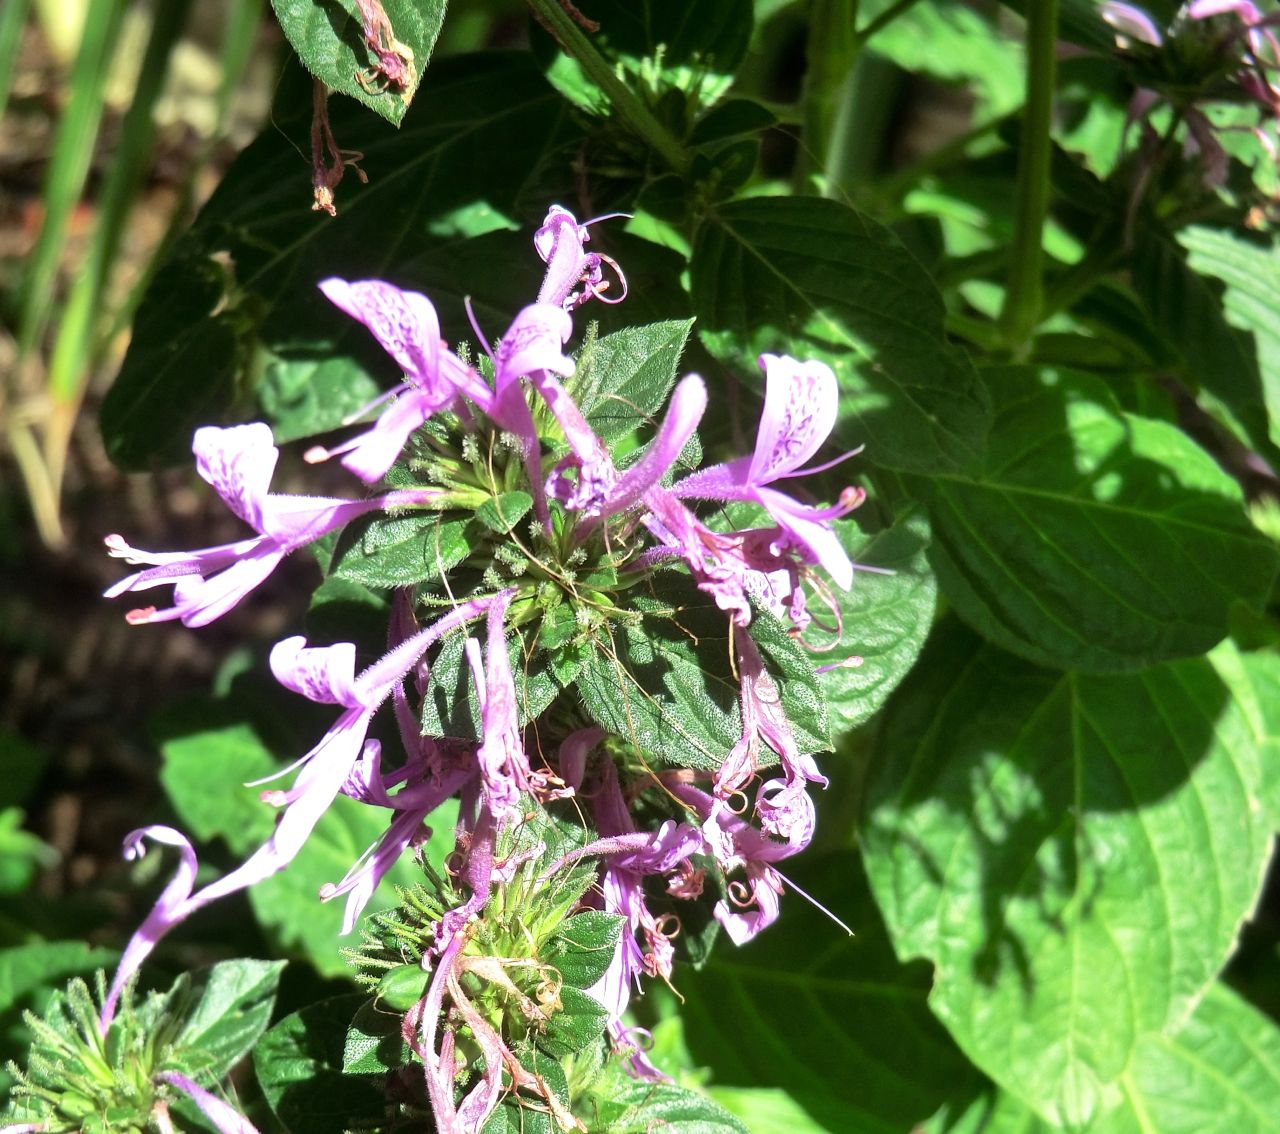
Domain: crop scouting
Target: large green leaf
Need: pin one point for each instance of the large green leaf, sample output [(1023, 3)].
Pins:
[(1089, 538), (329, 39), (1219, 1074), (1075, 855), (299, 1066), (885, 617), (835, 1021), (816, 279), (1251, 305), (241, 286)]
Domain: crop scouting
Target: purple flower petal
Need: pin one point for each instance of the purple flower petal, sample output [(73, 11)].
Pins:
[(404, 323)]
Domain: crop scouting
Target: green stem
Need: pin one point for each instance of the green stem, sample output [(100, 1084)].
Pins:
[(1024, 296), (832, 49), (623, 101)]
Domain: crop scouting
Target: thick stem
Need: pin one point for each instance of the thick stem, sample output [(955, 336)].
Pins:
[(832, 47), (1023, 299), (624, 102)]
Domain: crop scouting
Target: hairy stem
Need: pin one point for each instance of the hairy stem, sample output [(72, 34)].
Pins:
[(552, 15)]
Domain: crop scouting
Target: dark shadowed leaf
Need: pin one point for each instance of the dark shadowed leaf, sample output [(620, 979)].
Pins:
[(1088, 537), (257, 251), (816, 279), (835, 1021), (299, 1067)]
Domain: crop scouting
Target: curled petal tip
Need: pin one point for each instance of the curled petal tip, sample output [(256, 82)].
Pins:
[(141, 616), (316, 454)]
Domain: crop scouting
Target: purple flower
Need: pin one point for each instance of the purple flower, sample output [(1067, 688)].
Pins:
[(239, 463), (504, 767), (406, 326), (751, 905), (1131, 23), (435, 772), (325, 674), (1250, 52), (800, 404), (573, 274), (783, 804)]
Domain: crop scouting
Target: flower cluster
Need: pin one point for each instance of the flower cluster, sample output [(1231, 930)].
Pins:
[(1214, 51), (599, 526)]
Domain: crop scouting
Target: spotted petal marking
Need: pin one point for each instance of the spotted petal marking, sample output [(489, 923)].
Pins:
[(320, 673), (404, 323), (238, 463), (799, 413)]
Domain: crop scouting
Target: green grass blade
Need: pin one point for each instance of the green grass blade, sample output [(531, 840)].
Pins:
[(75, 345), (69, 166)]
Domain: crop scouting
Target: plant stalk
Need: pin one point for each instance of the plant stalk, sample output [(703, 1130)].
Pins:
[(1024, 295), (624, 102)]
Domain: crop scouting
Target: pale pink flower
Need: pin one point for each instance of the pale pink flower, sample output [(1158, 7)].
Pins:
[(239, 463)]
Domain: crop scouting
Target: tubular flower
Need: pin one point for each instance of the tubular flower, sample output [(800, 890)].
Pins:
[(238, 463), (800, 405), (407, 328), (573, 274)]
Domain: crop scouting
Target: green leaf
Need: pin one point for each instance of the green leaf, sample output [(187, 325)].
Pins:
[(1188, 314), (449, 703), (624, 378), (1075, 855), (501, 513), (583, 946), (686, 50), (243, 280), (299, 1067), (1091, 538), (578, 1024), (886, 617), (733, 118), (1251, 304), (664, 683), (331, 46), (381, 551), (374, 1044), (640, 1108), (202, 775), (21, 853), (816, 279), (804, 999), (28, 973), (1219, 1073), (233, 1008)]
